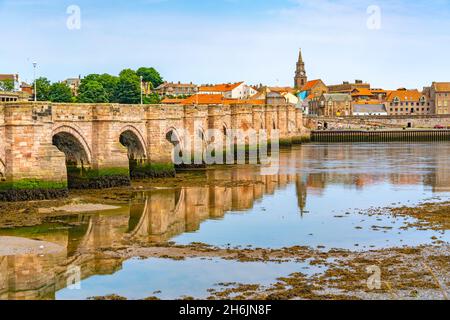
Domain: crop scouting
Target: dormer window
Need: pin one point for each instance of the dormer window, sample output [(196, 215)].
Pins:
[(396, 101), (423, 101)]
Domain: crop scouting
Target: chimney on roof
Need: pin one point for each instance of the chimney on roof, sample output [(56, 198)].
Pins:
[(358, 81)]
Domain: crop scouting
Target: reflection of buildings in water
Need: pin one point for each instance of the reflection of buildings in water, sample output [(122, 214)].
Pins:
[(302, 193), (359, 166)]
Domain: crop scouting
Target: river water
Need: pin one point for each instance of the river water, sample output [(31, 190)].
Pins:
[(321, 197)]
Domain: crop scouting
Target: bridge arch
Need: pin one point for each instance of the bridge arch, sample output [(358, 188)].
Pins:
[(72, 143), (174, 137), (132, 138)]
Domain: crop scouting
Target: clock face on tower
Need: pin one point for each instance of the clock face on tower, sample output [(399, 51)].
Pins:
[(302, 73)]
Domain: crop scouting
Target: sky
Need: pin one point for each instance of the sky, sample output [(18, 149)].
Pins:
[(389, 43)]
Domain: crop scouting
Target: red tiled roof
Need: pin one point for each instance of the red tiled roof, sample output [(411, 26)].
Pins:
[(217, 99), (362, 92), (281, 89), (220, 87), (172, 101), (310, 84), (204, 99), (11, 77), (404, 95), (442, 86)]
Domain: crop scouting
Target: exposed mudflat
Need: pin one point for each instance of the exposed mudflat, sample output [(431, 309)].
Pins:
[(12, 246), (78, 208)]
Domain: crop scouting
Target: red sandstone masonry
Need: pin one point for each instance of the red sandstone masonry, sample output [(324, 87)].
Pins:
[(27, 129)]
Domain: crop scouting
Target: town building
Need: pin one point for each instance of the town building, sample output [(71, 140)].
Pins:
[(237, 90), (275, 98), (408, 102), (347, 87), (73, 84), (440, 95), (176, 89), (369, 110), (27, 88), (313, 88), (300, 78), (276, 95), (331, 105), (14, 96), (13, 78), (8, 96)]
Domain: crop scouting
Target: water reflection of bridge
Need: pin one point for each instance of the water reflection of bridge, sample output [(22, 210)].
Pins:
[(151, 217)]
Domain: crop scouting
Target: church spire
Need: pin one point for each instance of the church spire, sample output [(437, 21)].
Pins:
[(300, 58), (300, 74)]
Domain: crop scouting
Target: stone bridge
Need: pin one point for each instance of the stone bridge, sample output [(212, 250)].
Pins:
[(44, 147)]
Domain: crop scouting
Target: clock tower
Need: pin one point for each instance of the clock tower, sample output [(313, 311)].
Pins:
[(300, 74)]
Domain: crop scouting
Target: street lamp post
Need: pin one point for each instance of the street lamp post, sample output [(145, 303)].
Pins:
[(35, 85), (142, 87)]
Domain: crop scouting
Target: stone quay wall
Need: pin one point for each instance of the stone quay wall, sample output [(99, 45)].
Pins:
[(370, 122)]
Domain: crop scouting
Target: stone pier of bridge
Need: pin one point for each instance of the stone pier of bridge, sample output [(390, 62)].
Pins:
[(47, 147)]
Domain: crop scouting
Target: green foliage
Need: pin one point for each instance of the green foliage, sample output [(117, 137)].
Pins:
[(92, 92), (92, 174), (109, 83), (150, 75), (152, 99), (7, 85), (128, 88), (60, 92), (104, 88), (43, 89), (31, 184)]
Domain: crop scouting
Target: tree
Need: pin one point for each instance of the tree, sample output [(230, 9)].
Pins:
[(152, 99), (92, 92), (60, 92), (128, 88), (109, 83), (43, 89), (7, 85), (150, 75)]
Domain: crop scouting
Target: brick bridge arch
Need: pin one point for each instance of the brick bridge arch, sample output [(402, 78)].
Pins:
[(72, 132), (132, 138)]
